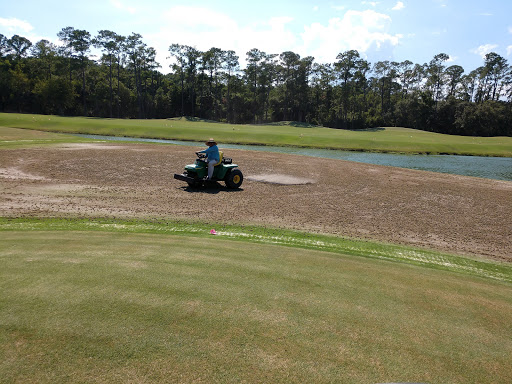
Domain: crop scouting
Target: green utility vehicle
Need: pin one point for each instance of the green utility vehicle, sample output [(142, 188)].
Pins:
[(195, 174)]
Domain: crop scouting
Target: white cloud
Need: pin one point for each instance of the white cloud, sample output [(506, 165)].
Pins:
[(121, 6), (372, 3), (204, 28), (13, 25), (484, 49), (399, 5), (363, 31), (509, 29), (509, 50)]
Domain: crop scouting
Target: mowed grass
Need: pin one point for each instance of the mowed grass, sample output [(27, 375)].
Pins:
[(390, 139), (16, 138), (129, 307)]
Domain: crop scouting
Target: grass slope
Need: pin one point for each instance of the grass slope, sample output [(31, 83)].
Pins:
[(285, 134), (142, 307)]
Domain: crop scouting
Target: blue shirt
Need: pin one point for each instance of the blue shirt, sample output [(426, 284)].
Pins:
[(212, 153)]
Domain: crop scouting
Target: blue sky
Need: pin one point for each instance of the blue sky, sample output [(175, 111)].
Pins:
[(414, 30)]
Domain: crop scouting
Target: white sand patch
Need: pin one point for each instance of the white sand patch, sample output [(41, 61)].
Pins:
[(280, 179)]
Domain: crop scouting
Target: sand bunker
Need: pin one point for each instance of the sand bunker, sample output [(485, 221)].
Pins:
[(280, 179)]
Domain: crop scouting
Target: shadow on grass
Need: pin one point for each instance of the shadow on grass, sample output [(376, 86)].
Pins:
[(193, 119), (297, 124), (374, 129)]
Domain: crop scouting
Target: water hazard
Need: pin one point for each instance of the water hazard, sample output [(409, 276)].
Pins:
[(498, 168)]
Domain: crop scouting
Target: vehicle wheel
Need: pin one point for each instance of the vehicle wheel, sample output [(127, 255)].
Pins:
[(234, 179)]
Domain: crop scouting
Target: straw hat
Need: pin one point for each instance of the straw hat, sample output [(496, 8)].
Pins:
[(211, 141)]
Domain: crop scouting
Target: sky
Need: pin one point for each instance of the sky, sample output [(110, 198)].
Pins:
[(414, 30)]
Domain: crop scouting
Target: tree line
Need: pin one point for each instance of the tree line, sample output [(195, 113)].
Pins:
[(351, 93)]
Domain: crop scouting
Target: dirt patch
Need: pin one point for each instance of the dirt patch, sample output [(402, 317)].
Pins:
[(451, 213)]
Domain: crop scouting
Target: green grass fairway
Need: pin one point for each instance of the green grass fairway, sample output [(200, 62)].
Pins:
[(284, 134), (124, 306)]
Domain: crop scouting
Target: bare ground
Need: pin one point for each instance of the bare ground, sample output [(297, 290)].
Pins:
[(458, 214)]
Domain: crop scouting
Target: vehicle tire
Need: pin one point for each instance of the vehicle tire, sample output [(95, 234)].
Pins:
[(234, 179)]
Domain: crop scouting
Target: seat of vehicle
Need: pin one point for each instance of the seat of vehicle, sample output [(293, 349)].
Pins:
[(221, 154)]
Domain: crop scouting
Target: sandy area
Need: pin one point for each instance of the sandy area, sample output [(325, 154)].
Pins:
[(452, 213)]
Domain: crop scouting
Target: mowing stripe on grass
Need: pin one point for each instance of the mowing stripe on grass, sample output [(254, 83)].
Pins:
[(264, 235)]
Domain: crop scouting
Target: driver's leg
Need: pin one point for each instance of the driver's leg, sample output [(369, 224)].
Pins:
[(211, 166)]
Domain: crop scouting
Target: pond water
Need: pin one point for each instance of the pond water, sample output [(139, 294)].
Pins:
[(498, 168)]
